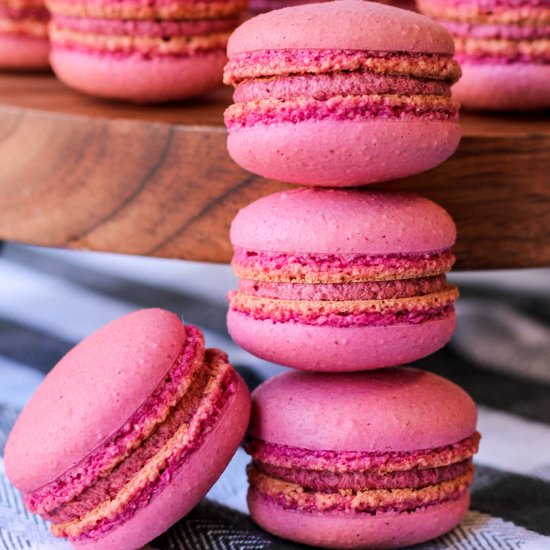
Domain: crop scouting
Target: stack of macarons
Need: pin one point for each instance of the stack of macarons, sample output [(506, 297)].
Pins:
[(348, 284), (503, 47), (24, 40), (142, 51)]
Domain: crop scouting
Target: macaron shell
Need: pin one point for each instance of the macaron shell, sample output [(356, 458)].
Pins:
[(346, 24), (331, 221), (139, 79), (185, 491), (357, 153), (90, 393), (23, 52), (358, 532), (389, 410), (338, 349), (498, 86)]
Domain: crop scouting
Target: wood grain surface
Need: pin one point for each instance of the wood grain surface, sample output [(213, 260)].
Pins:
[(77, 172)]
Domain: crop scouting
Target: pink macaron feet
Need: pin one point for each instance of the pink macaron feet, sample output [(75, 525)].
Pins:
[(333, 280), (347, 101), (503, 49), (389, 466), (136, 423)]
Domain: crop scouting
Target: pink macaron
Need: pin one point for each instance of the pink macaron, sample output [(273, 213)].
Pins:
[(142, 51), (128, 432), (342, 280), (24, 40), (360, 460), (503, 47), (341, 94)]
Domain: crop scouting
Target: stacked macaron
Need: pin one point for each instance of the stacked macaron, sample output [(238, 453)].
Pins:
[(128, 432), (141, 51), (331, 280), (503, 47), (24, 40)]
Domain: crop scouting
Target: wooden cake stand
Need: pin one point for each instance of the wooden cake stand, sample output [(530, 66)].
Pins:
[(82, 173)]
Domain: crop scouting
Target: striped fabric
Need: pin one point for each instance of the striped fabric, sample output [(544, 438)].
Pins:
[(500, 355)]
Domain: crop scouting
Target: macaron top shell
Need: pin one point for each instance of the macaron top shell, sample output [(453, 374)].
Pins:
[(335, 221), (90, 393), (397, 409), (341, 25)]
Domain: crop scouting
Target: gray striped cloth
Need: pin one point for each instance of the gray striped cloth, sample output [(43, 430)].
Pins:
[(49, 300)]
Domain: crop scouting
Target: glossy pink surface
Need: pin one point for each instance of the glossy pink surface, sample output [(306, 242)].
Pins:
[(331, 221), (90, 393), (188, 487), (23, 52), (400, 409), (501, 86), (139, 79), (359, 531), (360, 26), (357, 153), (338, 349)]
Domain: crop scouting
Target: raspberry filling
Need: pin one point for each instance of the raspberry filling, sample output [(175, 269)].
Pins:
[(360, 482), (120, 444)]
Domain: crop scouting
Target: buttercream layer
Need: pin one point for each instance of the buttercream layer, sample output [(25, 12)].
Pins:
[(294, 496), (345, 313), (120, 444), (323, 481), (324, 86), (343, 462), (518, 13), (500, 31), (148, 9), (24, 27), (147, 46), (335, 268), (508, 51), (152, 28), (269, 63), (157, 473), (375, 290), (339, 108)]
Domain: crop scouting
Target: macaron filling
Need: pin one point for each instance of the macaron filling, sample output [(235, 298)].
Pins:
[(175, 440), (360, 482), (337, 268), (345, 313), (131, 435), (292, 86)]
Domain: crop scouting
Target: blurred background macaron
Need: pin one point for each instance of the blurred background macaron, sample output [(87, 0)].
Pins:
[(503, 47), (341, 94), (361, 460), (128, 432), (342, 280), (24, 40), (142, 51)]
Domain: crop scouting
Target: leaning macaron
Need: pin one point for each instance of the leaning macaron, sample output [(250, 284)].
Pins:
[(142, 51), (360, 460), (24, 40), (128, 432), (341, 94), (342, 280), (503, 47)]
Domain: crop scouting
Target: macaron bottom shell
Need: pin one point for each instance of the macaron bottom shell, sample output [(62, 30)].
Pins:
[(357, 153), (359, 531), (139, 79), (24, 52), (188, 487), (504, 86), (339, 349)]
